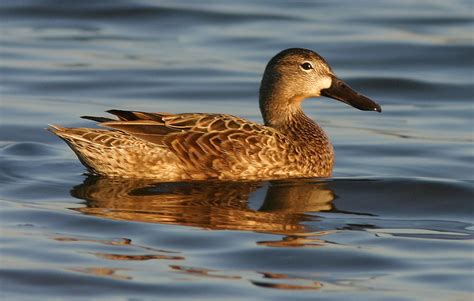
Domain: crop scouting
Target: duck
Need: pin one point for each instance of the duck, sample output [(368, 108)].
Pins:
[(170, 147)]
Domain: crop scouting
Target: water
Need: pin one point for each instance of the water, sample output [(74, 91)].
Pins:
[(394, 223)]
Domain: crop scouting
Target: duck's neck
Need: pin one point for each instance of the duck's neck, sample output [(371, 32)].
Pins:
[(286, 115), (277, 107), (281, 111)]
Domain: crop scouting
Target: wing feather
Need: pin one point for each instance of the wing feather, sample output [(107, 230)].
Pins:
[(211, 142)]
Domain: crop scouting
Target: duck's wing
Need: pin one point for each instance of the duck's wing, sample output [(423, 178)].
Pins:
[(155, 127), (151, 127), (199, 140)]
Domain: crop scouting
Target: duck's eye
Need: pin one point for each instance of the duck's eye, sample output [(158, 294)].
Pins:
[(306, 66)]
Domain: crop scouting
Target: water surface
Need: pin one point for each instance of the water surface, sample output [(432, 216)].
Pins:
[(394, 223)]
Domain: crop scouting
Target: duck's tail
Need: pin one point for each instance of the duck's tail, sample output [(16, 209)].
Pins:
[(81, 145), (54, 128), (68, 134)]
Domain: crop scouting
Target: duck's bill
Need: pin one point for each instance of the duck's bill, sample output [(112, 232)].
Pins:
[(341, 91)]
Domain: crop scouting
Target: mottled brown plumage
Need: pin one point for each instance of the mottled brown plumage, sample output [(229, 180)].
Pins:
[(200, 146)]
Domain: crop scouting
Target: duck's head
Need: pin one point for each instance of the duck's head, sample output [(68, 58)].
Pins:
[(296, 74)]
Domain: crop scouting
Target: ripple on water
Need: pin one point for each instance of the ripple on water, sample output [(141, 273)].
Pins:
[(28, 149), (394, 224), (348, 238)]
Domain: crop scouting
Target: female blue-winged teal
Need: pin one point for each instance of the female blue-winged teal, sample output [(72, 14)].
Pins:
[(200, 146)]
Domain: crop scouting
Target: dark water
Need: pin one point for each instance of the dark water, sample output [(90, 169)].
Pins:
[(395, 222)]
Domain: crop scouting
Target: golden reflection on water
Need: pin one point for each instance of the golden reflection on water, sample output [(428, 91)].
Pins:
[(102, 271), (213, 206), (111, 256), (202, 272), (309, 284), (208, 205)]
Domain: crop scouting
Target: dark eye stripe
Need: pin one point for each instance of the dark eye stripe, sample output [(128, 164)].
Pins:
[(306, 66)]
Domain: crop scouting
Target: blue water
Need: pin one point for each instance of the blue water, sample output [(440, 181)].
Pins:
[(394, 223)]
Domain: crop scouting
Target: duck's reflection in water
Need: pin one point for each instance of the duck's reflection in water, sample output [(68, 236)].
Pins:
[(211, 205), (283, 208)]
